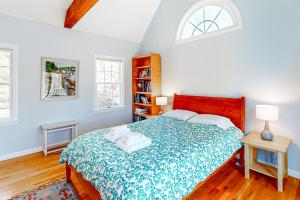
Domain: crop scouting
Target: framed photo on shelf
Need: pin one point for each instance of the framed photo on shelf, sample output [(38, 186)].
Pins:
[(59, 79)]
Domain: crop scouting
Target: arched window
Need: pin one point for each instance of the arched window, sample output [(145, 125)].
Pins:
[(208, 17)]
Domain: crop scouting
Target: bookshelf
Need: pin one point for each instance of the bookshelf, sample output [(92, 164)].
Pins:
[(145, 86)]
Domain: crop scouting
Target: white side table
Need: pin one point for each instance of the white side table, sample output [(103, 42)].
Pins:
[(55, 127), (279, 145)]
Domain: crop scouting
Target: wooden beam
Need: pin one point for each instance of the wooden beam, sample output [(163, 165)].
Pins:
[(77, 10)]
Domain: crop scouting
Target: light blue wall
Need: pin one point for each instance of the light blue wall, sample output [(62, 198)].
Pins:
[(35, 40), (261, 61)]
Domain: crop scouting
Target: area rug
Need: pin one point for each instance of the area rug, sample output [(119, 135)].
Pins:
[(59, 190)]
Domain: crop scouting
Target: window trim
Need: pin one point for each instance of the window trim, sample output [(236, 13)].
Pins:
[(227, 4), (96, 108), (13, 119)]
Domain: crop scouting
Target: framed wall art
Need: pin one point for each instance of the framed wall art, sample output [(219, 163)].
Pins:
[(59, 79)]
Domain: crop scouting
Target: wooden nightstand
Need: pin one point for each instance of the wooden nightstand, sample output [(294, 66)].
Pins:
[(279, 145)]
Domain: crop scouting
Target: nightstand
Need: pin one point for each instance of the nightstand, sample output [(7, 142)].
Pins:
[(279, 145)]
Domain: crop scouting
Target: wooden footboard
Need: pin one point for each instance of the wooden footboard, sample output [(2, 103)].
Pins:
[(75, 178)]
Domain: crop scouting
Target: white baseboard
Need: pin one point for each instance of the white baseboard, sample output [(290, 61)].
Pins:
[(292, 173), (20, 153), (29, 151)]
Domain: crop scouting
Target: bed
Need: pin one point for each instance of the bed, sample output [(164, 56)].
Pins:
[(182, 157)]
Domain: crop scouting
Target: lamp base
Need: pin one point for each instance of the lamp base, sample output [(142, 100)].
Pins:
[(266, 135)]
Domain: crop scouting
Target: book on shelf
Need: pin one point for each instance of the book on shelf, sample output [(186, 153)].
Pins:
[(146, 73), (145, 86), (145, 100), (138, 98)]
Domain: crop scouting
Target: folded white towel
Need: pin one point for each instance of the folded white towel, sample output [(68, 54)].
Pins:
[(116, 133), (132, 148), (133, 139)]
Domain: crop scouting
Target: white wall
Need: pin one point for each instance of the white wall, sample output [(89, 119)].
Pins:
[(35, 40), (261, 61)]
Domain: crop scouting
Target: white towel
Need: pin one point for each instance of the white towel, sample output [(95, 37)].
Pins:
[(129, 149), (133, 139), (116, 133)]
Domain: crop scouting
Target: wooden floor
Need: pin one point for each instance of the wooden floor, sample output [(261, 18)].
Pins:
[(28, 172)]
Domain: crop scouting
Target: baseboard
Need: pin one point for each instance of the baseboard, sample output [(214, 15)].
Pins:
[(292, 173), (20, 153), (29, 151)]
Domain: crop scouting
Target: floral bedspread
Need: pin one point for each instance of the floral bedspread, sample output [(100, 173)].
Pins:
[(182, 154)]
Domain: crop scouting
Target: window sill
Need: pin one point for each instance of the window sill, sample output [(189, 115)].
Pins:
[(103, 110), (8, 122)]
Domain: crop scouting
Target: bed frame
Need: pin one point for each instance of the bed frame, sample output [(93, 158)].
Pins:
[(232, 108)]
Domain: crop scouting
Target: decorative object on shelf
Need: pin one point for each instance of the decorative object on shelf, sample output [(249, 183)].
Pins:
[(267, 113), (161, 101), (59, 79), (139, 84), (141, 110)]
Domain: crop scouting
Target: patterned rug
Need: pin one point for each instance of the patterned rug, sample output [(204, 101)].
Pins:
[(60, 190)]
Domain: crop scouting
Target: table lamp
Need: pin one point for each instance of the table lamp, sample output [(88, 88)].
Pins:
[(161, 101), (267, 113)]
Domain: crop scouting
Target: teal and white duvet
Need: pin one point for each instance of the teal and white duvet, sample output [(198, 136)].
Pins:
[(182, 154)]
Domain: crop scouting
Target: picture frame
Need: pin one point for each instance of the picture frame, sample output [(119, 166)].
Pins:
[(59, 79)]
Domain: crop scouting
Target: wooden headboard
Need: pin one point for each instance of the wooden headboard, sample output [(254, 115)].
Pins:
[(232, 108)]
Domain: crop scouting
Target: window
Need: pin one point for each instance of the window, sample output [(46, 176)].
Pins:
[(208, 18), (8, 84), (109, 85)]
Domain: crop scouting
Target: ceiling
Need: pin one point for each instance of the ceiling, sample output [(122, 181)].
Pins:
[(122, 19)]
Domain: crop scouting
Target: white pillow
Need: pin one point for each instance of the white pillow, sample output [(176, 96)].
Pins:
[(183, 115), (222, 122)]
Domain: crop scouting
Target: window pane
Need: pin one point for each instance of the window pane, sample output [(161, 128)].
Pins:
[(107, 77), (5, 58), (4, 75), (212, 28), (116, 101), (116, 90), (116, 67), (211, 12), (224, 20), (188, 31), (104, 95), (4, 92), (4, 113), (115, 77), (107, 66), (197, 17), (100, 77), (4, 104), (100, 65)]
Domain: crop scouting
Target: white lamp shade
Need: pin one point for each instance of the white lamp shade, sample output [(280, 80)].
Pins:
[(161, 101), (266, 112)]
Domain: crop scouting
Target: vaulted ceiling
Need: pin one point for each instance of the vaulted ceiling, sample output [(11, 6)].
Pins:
[(123, 19)]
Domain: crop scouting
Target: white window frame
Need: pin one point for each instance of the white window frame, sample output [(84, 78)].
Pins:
[(98, 109), (227, 4), (13, 119)]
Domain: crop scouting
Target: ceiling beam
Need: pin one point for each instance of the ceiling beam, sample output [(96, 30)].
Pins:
[(77, 10)]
